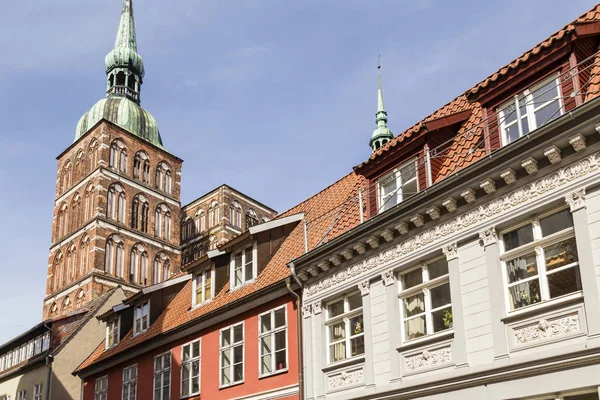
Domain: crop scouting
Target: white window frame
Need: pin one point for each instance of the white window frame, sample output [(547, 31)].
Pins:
[(37, 391), (160, 374), (232, 269), (232, 345), (271, 335), (396, 174), (345, 317), (101, 391), (129, 383), (537, 246), (530, 106), (113, 326), (141, 307), (22, 394), (424, 288), (203, 275), (190, 361)]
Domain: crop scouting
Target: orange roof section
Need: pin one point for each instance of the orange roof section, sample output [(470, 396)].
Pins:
[(462, 104), (179, 311)]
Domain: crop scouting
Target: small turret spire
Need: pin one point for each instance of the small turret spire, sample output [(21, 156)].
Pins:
[(124, 66), (382, 133)]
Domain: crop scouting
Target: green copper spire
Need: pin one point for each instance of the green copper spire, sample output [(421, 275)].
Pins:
[(382, 134), (124, 66)]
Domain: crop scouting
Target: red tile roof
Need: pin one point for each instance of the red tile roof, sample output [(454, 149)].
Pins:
[(320, 217)]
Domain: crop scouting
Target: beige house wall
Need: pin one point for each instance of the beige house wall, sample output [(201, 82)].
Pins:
[(80, 346), (25, 381)]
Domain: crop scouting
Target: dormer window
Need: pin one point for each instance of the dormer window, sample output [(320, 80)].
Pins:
[(203, 287), (112, 332), (243, 266), (398, 185), (530, 109), (141, 318)]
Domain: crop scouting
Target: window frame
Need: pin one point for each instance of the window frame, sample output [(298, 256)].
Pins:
[(203, 273), (395, 174), (141, 306), (271, 334), (129, 382), (425, 288), (190, 361), (116, 339), (38, 390), (232, 345), (537, 246), (161, 374), (103, 393), (232, 268), (345, 317), (531, 108), (22, 394)]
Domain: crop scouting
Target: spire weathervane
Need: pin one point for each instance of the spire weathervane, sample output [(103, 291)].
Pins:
[(382, 134)]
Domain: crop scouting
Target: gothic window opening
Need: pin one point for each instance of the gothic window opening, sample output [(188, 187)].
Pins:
[(138, 268), (114, 256), (57, 270), (63, 220), (200, 221), (161, 268), (80, 299), (235, 214), (162, 222), (92, 151), (84, 256), (89, 203), (116, 203), (213, 242), (163, 178), (118, 156), (139, 213), (213, 214), (251, 218)]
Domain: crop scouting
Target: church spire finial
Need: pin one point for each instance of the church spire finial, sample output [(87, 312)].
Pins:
[(382, 133), (124, 66)]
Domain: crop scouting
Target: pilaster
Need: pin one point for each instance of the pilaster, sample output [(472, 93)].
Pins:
[(390, 282), (369, 372), (307, 347), (319, 362), (459, 344)]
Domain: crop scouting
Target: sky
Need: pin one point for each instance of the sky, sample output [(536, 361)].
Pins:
[(275, 98)]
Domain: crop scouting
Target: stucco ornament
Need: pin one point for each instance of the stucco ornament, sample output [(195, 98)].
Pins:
[(547, 329), (364, 287), (450, 251), (576, 200), (478, 216), (388, 278), (429, 359), (316, 307), (488, 236), (345, 379), (306, 310)]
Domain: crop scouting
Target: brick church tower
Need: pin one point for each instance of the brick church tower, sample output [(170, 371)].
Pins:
[(117, 207)]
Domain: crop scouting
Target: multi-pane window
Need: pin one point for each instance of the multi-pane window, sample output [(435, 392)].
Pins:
[(129, 382), (425, 303), (540, 260), (101, 388), (112, 332), (37, 391), (345, 328), (22, 395), (162, 376), (232, 355), (203, 287), (243, 266), (190, 369), (530, 110), (141, 318), (273, 341), (398, 185)]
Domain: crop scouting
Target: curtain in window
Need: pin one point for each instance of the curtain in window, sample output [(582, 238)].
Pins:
[(415, 327)]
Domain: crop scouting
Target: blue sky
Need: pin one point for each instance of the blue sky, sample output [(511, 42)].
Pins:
[(275, 98)]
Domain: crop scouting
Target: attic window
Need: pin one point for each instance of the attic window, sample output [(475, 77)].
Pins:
[(141, 318), (112, 332), (243, 267), (203, 287), (398, 185)]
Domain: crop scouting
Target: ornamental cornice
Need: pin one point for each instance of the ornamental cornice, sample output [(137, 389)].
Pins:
[(478, 216)]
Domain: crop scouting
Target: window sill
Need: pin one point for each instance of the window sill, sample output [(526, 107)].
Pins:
[(345, 363), (190, 395), (281, 371), (231, 385), (544, 306), (426, 340)]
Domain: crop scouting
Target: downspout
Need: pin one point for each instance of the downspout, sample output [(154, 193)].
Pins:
[(49, 358), (288, 285)]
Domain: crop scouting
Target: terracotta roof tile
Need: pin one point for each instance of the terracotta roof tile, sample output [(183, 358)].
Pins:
[(179, 311)]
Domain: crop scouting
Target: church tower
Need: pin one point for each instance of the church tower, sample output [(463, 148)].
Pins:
[(117, 207), (382, 134)]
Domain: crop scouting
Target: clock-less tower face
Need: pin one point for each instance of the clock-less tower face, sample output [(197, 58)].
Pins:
[(116, 212)]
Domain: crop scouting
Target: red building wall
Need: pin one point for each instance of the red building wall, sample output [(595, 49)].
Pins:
[(209, 362)]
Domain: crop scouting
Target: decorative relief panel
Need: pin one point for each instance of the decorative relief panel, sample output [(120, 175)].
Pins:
[(546, 329), (477, 216), (345, 379), (429, 359)]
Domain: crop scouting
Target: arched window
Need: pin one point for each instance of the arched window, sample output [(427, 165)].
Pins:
[(197, 251), (118, 156), (79, 299), (70, 270), (200, 221), (84, 255), (57, 270), (89, 202), (141, 162), (185, 257), (264, 219), (67, 176), (251, 218), (138, 265), (235, 214), (63, 220), (139, 213), (75, 211), (168, 182), (161, 268), (162, 222), (114, 256), (213, 214), (53, 310), (116, 203), (163, 177), (66, 305), (213, 242), (93, 154), (80, 164), (187, 229)]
